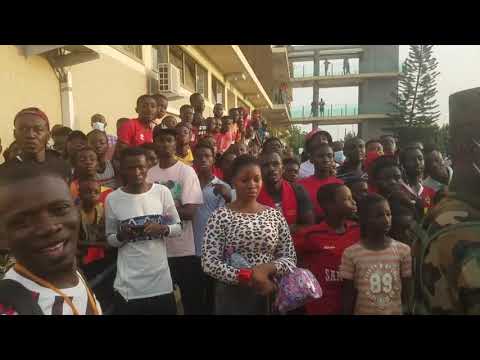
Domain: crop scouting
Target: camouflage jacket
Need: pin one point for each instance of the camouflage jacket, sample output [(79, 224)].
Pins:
[(449, 262), (6, 262)]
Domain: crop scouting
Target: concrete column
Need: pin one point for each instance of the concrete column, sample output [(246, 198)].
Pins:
[(316, 64), (66, 98), (316, 72)]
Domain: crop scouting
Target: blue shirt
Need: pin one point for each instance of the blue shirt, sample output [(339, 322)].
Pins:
[(211, 202)]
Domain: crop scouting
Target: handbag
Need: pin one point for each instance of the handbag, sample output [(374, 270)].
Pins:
[(295, 289)]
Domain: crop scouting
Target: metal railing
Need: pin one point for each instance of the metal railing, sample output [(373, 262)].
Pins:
[(334, 69), (330, 110)]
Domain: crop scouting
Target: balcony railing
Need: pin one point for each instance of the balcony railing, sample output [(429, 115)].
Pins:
[(330, 110), (334, 69)]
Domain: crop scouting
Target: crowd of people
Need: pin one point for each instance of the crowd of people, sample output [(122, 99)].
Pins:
[(205, 215)]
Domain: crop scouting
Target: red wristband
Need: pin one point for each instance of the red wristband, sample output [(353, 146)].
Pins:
[(245, 275)]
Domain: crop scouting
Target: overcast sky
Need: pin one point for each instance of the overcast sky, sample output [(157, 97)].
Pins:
[(459, 67)]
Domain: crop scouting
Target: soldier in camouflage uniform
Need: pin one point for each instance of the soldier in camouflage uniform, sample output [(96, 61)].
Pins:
[(448, 258)]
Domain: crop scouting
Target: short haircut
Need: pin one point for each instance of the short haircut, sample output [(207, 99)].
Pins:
[(409, 147), (271, 139), (132, 151), (183, 124), (204, 144), (141, 98), (291, 160), (186, 106), (243, 161), (149, 146), (61, 131), (227, 117), (326, 193), (381, 163), (17, 172), (429, 148), (94, 116), (350, 141), (77, 134), (372, 141), (99, 132), (354, 180), (122, 120), (232, 110), (194, 95), (321, 146), (364, 207), (159, 130), (157, 97), (76, 155), (310, 140)]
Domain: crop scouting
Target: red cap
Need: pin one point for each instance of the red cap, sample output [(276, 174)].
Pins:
[(33, 111)]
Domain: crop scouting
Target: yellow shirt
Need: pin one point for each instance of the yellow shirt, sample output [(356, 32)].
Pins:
[(188, 159)]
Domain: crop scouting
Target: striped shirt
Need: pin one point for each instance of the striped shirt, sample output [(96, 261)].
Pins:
[(377, 277)]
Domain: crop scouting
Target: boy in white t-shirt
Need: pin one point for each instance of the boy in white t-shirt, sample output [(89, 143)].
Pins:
[(41, 225), (138, 218), (184, 185)]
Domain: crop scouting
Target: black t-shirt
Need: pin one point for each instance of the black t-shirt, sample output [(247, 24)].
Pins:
[(304, 204), (53, 160)]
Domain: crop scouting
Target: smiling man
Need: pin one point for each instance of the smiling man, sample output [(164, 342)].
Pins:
[(42, 235)]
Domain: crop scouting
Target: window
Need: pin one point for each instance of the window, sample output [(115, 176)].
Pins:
[(176, 59), (193, 76), (159, 55), (135, 50), (231, 99), (202, 81), (189, 73), (218, 91)]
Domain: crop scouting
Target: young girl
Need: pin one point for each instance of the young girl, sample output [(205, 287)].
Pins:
[(376, 271)]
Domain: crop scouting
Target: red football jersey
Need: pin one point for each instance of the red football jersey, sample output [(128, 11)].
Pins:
[(312, 184), (134, 133), (427, 196), (320, 249)]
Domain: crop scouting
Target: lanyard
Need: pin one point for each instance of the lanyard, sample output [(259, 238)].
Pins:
[(26, 273)]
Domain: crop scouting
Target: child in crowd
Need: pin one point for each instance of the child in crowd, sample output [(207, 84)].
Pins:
[(404, 217), (225, 138), (214, 126), (216, 194), (291, 167), (59, 137), (92, 221), (85, 168), (105, 171), (359, 188), (254, 148), (374, 145), (225, 165), (376, 271), (320, 247), (184, 135), (169, 122), (151, 154), (76, 141), (238, 149)]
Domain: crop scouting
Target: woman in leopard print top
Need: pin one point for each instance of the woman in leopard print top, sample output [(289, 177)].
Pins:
[(258, 233)]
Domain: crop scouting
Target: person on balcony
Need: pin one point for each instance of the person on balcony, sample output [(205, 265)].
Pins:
[(322, 107), (326, 64), (346, 66), (314, 110)]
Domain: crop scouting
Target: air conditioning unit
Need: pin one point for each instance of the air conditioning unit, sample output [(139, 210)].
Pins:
[(169, 82)]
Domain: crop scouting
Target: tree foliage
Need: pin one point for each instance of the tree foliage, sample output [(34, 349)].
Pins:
[(296, 138), (415, 103)]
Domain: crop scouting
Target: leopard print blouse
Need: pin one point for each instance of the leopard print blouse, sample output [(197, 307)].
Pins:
[(260, 238)]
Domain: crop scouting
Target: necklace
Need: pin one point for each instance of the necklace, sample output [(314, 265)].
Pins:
[(29, 275)]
